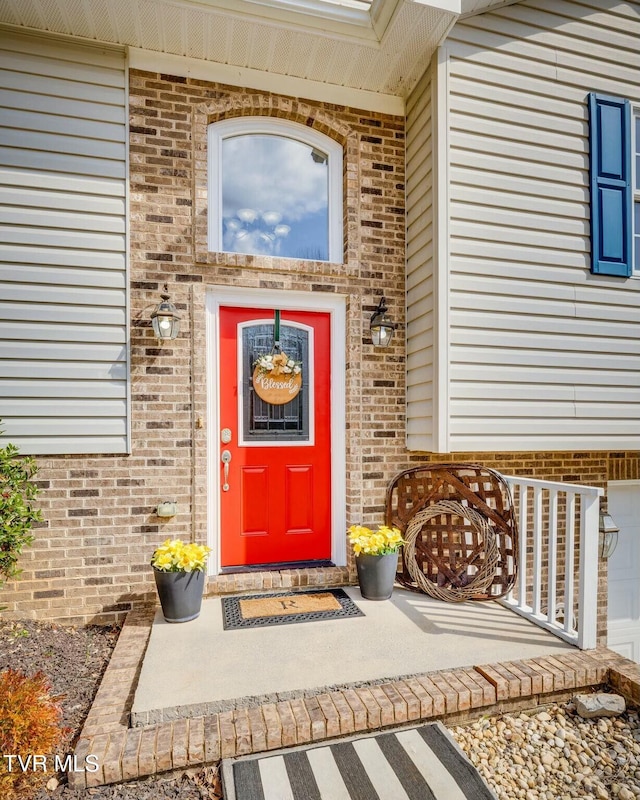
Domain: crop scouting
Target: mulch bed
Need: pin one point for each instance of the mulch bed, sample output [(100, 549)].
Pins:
[(74, 660)]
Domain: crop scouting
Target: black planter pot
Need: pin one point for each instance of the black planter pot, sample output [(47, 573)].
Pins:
[(376, 575), (180, 594)]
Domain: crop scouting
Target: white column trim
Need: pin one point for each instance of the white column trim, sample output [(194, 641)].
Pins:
[(441, 388), (333, 304), (127, 256)]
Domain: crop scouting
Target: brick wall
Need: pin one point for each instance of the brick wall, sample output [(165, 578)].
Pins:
[(90, 560)]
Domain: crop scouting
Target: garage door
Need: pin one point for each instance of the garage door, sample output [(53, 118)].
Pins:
[(624, 571)]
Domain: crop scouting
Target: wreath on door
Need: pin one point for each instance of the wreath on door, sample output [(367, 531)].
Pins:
[(277, 379)]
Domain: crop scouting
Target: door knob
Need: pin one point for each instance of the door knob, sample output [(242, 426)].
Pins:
[(225, 458)]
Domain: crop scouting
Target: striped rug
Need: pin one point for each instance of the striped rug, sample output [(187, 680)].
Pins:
[(422, 763)]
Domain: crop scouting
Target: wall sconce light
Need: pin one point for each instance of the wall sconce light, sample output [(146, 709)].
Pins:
[(609, 535), (381, 326), (165, 319), (167, 509)]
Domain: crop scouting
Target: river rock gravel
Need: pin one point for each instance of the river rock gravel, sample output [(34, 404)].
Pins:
[(553, 754)]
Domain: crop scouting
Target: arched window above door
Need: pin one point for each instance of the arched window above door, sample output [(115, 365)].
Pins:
[(275, 189)]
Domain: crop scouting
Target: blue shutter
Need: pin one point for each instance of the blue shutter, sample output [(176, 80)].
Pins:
[(611, 191)]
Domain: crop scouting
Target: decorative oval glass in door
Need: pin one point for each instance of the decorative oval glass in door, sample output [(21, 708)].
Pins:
[(264, 420)]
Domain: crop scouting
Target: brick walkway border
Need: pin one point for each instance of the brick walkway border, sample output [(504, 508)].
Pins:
[(125, 753)]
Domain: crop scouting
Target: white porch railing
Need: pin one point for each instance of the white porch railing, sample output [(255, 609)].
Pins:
[(557, 583)]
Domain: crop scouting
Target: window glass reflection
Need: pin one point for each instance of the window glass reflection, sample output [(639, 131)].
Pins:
[(275, 194)]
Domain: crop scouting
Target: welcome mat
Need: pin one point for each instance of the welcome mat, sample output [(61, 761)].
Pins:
[(422, 763), (285, 608)]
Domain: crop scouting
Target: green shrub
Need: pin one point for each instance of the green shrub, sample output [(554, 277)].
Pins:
[(17, 509), (29, 725)]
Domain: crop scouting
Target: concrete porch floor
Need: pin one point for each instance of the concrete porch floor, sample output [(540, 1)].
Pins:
[(502, 677), (210, 669)]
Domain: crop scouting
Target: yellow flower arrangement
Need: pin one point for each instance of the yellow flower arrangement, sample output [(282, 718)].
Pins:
[(177, 556), (379, 543)]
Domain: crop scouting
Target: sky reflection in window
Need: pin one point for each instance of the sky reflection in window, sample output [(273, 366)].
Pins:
[(275, 194)]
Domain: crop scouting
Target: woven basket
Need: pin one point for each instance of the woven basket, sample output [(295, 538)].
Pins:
[(464, 561), (478, 489)]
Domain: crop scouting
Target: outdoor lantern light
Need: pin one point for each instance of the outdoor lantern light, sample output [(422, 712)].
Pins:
[(381, 326), (165, 319), (609, 533)]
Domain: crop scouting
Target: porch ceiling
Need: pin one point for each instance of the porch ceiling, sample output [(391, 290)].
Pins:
[(381, 46)]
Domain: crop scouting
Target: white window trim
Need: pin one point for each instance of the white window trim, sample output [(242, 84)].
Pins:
[(219, 131)]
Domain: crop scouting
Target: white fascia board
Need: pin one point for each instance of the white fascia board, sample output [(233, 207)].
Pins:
[(312, 15), (38, 33), (381, 14), (471, 8), (182, 66), (452, 6)]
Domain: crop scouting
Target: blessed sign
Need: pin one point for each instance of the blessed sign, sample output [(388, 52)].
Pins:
[(276, 389)]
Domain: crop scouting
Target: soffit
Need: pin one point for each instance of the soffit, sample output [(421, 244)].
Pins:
[(382, 46)]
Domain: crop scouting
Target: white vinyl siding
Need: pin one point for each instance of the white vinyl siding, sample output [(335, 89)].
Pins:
[(543, 354), (420, 259), (63, 297)]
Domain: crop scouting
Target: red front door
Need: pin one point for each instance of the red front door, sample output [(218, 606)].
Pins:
[(276, 496)]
